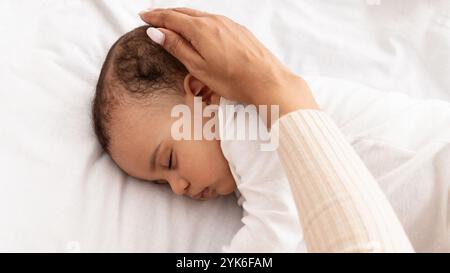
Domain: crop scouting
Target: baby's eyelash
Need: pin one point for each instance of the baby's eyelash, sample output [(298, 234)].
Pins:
[(170, 160)]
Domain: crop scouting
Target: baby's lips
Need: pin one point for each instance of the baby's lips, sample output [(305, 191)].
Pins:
[(206, 193), (198, 195)]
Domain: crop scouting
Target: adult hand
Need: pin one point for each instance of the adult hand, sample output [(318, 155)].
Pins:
[(228, 58)]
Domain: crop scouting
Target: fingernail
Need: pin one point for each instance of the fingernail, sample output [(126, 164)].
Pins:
[(156, 35), (145, 11)]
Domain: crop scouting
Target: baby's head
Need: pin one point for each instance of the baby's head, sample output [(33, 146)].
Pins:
[(138, 85)]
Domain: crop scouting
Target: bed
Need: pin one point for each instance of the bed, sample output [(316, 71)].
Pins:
[(380, 68)]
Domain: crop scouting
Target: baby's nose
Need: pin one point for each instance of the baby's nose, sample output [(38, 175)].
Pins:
[(179, 186)]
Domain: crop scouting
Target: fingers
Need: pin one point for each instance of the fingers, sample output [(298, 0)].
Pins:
[(170, 19), (191, 12), (176, 45)]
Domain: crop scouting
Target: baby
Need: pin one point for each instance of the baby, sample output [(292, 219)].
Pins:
[(139, 85)]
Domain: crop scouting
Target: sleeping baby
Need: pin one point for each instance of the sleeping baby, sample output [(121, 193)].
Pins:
[(139, 86)]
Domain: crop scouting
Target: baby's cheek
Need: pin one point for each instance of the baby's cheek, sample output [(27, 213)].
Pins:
[(197, 161), (213, 161)]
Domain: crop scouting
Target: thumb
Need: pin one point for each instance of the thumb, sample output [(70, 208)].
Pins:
[(176, 45)]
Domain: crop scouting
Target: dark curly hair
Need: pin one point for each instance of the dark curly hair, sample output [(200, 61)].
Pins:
[(135, 67)]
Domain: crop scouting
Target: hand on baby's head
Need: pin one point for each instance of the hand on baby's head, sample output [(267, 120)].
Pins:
[(138, 85)]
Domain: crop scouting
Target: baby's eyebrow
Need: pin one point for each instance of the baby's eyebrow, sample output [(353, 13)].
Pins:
[(153, 157)]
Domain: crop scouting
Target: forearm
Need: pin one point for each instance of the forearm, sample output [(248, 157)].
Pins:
[(340, 205)]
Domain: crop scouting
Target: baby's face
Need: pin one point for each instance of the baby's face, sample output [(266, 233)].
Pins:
[(142, 146)]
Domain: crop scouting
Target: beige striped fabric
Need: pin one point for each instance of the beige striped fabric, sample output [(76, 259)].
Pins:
[(340, 205)]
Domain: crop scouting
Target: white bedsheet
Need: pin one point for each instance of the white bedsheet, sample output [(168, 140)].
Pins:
[(58, 192)]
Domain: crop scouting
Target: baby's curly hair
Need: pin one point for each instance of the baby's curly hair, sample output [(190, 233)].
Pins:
[(135, 67)]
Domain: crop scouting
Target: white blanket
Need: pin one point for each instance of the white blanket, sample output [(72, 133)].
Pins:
[(405, 143), (58, 192)]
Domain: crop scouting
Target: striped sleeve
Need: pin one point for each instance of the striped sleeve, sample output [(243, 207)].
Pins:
[(340, 205)]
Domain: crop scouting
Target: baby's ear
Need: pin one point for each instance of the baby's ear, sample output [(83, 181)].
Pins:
[(194, 87)]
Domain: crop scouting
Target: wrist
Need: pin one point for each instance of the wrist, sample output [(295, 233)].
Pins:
[(297, 95), (290, 93)]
